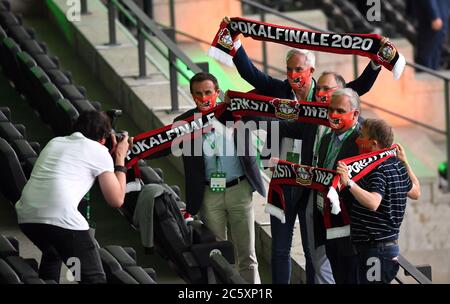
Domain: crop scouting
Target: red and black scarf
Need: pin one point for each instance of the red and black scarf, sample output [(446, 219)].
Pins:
[(151, 142), (323, 180), (367, 45), (250, 104)]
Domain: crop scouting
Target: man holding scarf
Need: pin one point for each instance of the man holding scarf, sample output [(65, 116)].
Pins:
[(299, 85), (343, 113), (220, 183), (378, 204)]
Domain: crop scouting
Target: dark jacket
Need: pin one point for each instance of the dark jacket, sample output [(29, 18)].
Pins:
[(194, 171), (348, 149)]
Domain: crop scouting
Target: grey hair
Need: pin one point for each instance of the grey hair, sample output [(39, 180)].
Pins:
[(310, 57), (355, 103)]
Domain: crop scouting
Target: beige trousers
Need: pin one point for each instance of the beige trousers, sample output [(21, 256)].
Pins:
[(233, 208)]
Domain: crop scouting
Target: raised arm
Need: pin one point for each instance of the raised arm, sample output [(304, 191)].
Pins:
[(414, 193)]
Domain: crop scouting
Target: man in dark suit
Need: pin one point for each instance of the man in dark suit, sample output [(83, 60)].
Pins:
[(299, 85), (220, 185), (432, 18), (344, 111)]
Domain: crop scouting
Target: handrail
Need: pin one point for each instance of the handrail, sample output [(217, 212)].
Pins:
[(209, 43), (144, 26), (413, 271), (151, 25)]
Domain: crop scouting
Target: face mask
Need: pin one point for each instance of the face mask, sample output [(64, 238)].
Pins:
[(299, 79), (339, 121), (363, 145), (207, 102), (324, 96)]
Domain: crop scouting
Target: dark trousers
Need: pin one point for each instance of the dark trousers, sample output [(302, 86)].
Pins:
[(378, 264), (282, 243), (69, 246), (343, 260)]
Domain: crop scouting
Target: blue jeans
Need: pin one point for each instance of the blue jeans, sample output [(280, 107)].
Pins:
[(378, 265), (59, 245), (282, 242)]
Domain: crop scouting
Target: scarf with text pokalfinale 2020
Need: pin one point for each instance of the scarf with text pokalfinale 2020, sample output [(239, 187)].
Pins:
[(151, 142), (223, 47)]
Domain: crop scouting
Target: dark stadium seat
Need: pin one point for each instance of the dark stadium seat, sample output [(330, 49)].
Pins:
[(2, 33), (33, 47), (20, 33), (8, 50), (6, 248), (7, 19), (26, 155), (64, 119), (47, 62), (12, 178), (58, 77), (9, 132), (7, 274), (4, 6), (116, 274), (23, 269)]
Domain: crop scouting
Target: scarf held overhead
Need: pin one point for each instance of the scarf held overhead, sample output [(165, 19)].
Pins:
[(250, 104), (148, 143), (323, 180), (223, 47)]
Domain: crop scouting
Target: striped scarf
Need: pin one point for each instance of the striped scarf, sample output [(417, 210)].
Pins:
[(223, 47)]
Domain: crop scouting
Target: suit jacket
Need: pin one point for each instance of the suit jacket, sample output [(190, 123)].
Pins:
[(194, 171), (348, 149)]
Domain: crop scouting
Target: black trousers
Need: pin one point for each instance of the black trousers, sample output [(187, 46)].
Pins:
[(73, 247), (343, 260)]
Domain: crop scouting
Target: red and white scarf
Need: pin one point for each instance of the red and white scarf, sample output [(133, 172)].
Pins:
[(223, 47), (250, 104), (323, 180)]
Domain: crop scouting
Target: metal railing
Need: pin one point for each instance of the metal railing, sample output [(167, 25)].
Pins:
[(147, 30)]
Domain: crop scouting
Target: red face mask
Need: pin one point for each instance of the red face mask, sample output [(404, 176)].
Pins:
[(324, 96), (207, 102), (339, 121), (299, 79), (363, 145)]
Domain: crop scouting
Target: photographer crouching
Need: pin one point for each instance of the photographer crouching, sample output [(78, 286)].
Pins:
[(64, 172)]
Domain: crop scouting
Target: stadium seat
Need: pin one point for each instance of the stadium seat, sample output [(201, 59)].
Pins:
[(7, 274), (6, 248), (64, 119), (7, 19), (26, 155), (8, 50), (9, 132), (58, 77)]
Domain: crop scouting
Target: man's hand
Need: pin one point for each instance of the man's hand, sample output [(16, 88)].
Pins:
[(342, 170), (226, 98), (226, 19), (401, 155), (436, 24), (121, 148)]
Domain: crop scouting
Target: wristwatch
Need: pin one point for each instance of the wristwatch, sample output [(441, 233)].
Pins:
[(350, 184)]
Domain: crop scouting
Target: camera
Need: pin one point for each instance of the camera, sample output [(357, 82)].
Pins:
[(120, 135)]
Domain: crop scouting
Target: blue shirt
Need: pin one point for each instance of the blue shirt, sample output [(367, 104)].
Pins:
[(219, 153)]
